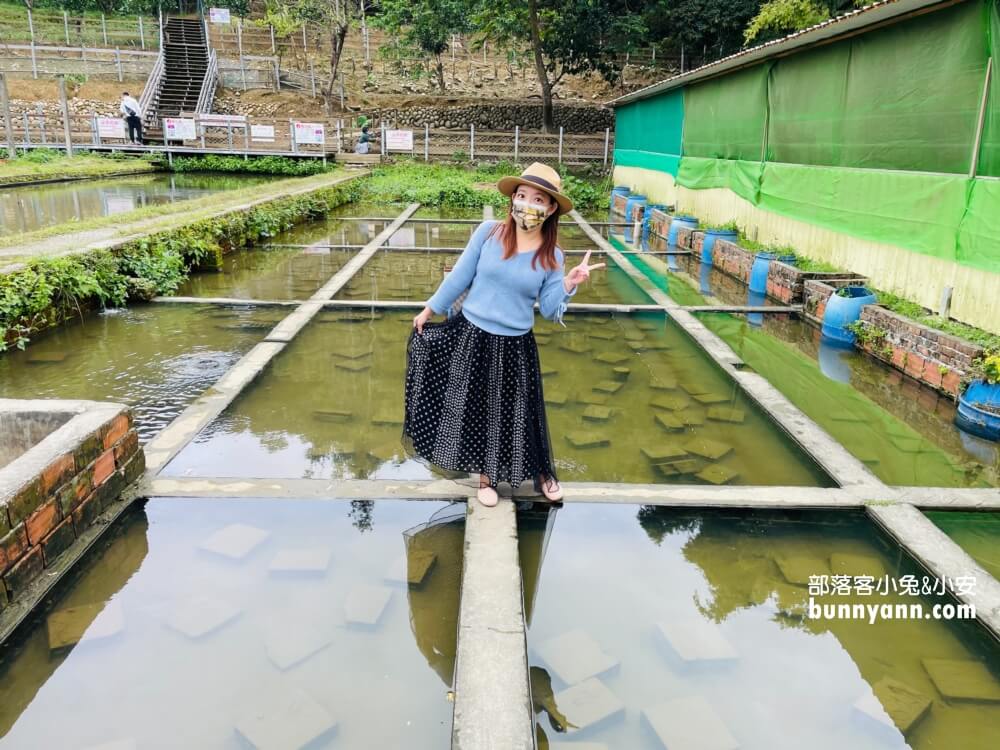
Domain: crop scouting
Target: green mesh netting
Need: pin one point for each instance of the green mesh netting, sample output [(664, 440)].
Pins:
[(979, 233), (905, 97), (989, 153), (742, 177), (724, 117), (915, 210), (648, 133)]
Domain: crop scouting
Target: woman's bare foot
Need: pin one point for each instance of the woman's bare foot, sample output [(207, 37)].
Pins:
[(486, 494), (550, 488)]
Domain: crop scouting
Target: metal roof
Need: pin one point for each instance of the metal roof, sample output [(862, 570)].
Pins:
[(843, 25)]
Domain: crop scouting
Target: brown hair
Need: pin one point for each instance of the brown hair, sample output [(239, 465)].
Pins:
[(507, 234)]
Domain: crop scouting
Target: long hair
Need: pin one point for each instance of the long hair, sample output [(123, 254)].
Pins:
[(507, 234)]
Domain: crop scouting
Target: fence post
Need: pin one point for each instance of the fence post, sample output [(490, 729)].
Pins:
[(517, 138), (560, 143), (277, 75), (246, 141), (31, 30), (66, 26), (201, 126), (368, 59), (305, 43), (142, 35), (118, 63), (104, 29), (27, 129), (341, 91), (274, 49), (160, 29), (472, 142), (291, 134), (312, 80), (607, 138), (453, 48), (239, 44), (96, 130), (339, 142), (64, 106), (41, 125), (229, 135), (7, 124), (427, 142)]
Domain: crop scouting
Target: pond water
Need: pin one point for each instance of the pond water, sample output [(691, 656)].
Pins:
[(978, 533), (25, 209), (155, 358), (199, 622), (718, 643), (629, 399)]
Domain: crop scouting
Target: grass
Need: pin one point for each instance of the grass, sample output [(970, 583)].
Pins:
[(187, 211), (46, 164), (917, 313)]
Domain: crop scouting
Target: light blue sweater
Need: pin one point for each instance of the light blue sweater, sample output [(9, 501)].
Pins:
[(503, 292)]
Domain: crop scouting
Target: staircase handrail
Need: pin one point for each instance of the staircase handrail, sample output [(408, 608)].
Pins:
[(208, 83), (152, 85)]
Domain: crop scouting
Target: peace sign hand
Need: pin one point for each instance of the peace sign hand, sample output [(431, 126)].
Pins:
[(581, 273)]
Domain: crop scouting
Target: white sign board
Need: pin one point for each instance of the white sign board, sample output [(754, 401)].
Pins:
[(309, 132), (399, 140), (222, 121), (179, 128), (262, 132), (111, 127), (119, 204), (218, 15)]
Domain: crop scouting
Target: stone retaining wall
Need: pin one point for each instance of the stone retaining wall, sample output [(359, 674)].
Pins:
[(574, 119), (56, 490)]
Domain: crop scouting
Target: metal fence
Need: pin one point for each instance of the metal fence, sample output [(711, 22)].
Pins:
[(250, 136), (20, 25), (94, 62)]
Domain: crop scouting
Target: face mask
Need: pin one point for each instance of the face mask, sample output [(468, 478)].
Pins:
[(527, 216)]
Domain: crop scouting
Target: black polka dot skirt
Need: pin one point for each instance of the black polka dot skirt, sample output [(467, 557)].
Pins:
[(474, 403)]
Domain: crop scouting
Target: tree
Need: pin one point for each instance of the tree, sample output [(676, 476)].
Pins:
[(566, 37), (425, 25), (780, 17), (699, 28)]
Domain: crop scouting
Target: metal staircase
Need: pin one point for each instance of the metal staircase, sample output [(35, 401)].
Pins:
[(185, 81)]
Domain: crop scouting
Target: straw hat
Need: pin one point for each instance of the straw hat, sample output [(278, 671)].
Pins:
[(540, 176)]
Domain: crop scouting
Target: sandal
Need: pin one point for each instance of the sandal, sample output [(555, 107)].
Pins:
[(486, 494), (550, 488)]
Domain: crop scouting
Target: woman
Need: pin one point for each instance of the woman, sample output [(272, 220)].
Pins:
[(363, 142), (473, 384)]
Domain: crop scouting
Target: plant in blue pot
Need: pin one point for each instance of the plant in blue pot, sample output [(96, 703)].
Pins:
[(979, 403)]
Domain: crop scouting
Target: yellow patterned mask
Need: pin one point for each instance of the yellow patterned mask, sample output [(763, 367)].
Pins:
[(527, 216)]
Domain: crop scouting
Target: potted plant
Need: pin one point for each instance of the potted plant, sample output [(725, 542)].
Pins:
[(979, 403)]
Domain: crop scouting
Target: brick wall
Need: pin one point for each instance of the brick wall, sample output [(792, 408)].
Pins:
[(786, 283), (816, 293), (934, 358), (47, 513), (659, 222), (618, 204), (732, 260)]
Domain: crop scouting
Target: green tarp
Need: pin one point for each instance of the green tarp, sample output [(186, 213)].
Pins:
[(648, 133), (742, 177), (979, 233), (724, 117), (989, 152)]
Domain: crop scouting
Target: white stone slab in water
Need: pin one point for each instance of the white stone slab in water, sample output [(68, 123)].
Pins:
[(411, 568), (669, 422), (671, 403), (588, 704), (796, 569), (602, 335), (291, 721), (693, 389), (689, 723), (692, 418), (726, 414), (587, 440), (574, 656), (663, 383), (661, 452), (696, 640), (365, 604), (286, 648), (717, 474), (894, 704), (556, 398), (332, 415), (593, 399), (963, 679), (611, 358), (309, 560), (846, 564), (608, 386), (235, 541), (200, 616), (713, 450), (710, 398), (621, 373), (84, 624), (597, 413), (575, 347)]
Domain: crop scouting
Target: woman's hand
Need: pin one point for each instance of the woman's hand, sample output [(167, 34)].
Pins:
[(423, 317), (581, 273)]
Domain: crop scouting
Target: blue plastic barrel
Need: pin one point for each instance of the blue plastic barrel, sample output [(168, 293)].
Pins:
[(979, 410), (705, 277), (842, 309), (835, 361), (755, 300), (688, 222), (634, 211), (647, 215), (758, 272), (711, 236), (617, 190)]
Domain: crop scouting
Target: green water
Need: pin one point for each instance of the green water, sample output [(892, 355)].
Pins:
[(903, 432), (268, 273), (385, 682), (786, 680), (156, 358), (330, 406), (25, 209), (976, 533)]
